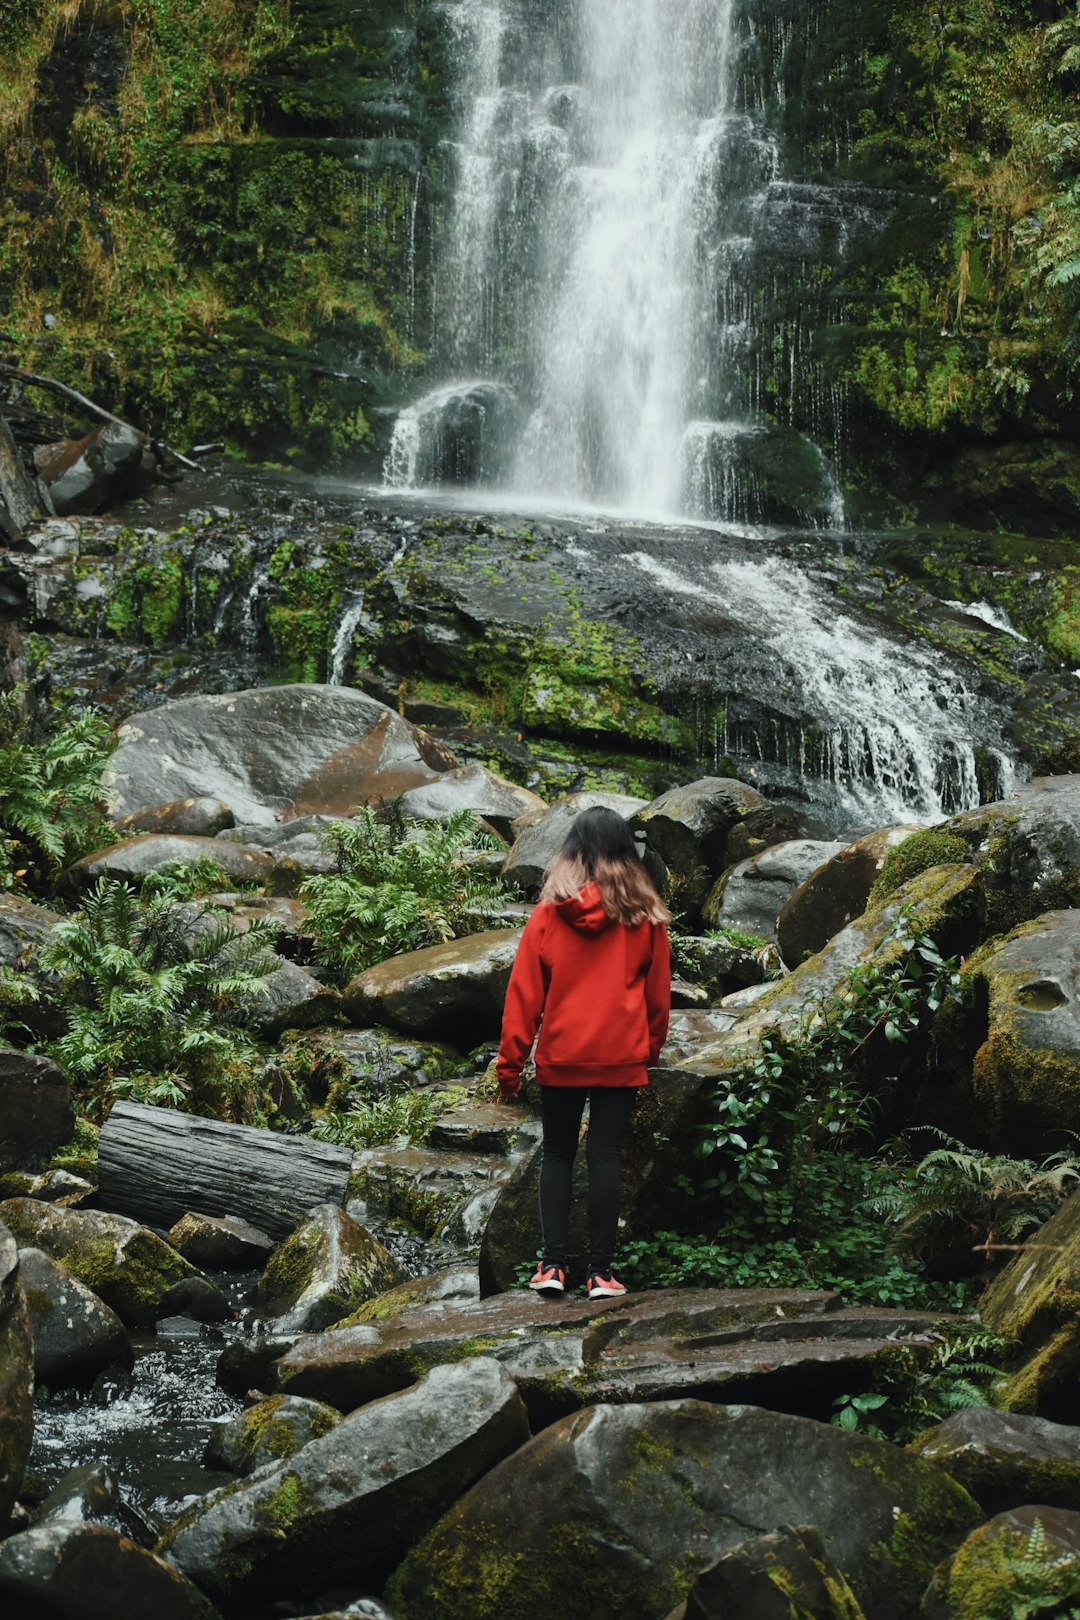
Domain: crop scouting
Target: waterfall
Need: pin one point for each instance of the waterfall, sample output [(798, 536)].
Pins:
[(611, 179), (353, 609)]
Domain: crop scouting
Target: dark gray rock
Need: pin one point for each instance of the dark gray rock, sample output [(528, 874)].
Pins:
[(36, 1111), (247, 1364), (272, 753), (125, 1264), (1028, 847), (353, 1501), (130, 860), (1005, 1459), (90, 1495), (471, 787), (377, 1060), (833, 894), (327, 1267), (24, 928), (61, 1187), (16, 1376), (537, 842), (657, 1493), (220, 1242), (773, 1577), (90, 1572), (453, 992), (200, 818), (718, 966), (749, 896), (85, 475), (271, 1431), (75, 1335), (294, 999)]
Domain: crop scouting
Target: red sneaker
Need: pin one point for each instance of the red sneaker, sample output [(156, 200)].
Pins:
[(603, 1287), (548, 1279)]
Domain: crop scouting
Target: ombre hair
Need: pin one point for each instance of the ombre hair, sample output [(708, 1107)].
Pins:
[(599, 849)]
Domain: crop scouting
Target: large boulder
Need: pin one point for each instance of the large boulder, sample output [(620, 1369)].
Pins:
[(1028, 847), (640, 1499), (36, 1112), (748, 897), (90, 1495), (272, 753), (86, 475), (991, 1574), (16, 1377), (294, 999), (327, 1267), (451, 992), (471, 787), (132, 858), (270, 1431), (357, 1498), (539, 838), (835, 892), (1034, 1303), (705, 826), (134, 1271), (1004, 1459), (199, 818), (75, 1335), (66, 1571), (1026, 1072)]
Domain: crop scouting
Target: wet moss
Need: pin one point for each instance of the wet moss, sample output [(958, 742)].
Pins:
[(932, 847)]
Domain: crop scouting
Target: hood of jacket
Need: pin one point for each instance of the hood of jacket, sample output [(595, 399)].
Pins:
[(585, 911)]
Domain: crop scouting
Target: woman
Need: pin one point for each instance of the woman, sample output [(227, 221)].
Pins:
[(593, 965)]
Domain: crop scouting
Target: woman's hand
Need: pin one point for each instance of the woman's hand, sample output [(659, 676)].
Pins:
[(509, 1091)]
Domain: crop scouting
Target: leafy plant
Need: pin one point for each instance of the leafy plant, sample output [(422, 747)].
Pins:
[(399, 887), (958, 1198), (156, 1008), (853, 1412), (185, 880), (396, 1116), (922, 1389), (52, 802)]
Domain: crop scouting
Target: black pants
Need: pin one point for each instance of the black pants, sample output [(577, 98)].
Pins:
[(609, 1115)]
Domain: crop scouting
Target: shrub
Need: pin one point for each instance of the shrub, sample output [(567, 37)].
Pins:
[(52, 802), (156, 1008), (399, 887)]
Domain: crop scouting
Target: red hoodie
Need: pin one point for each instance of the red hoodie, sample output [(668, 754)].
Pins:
[(603, 991)]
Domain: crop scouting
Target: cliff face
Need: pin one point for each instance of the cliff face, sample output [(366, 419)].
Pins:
[(228, 210)]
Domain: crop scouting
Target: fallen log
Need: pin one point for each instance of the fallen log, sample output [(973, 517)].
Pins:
[(156, 1164)]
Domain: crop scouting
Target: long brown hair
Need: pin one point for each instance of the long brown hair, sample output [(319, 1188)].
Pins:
[(599, 849)]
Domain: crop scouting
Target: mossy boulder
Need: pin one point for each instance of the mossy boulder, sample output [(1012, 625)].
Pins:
[(1018, 1564), (640, 1499), (354, 1500), (1004, 1459), (16, 1377), (75, 1335), (220, 1242), (270, 1431), (835, 892), (1035, 1304), (132, 858), (1028, 849), (36, 1111), (786, 1575), (90, 1570), (136, 1273), (324, 1269), (750, 895)]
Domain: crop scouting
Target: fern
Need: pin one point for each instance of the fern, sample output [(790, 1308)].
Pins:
[(1020, 1578), (399, 887), (52, 802), (156, 1009)]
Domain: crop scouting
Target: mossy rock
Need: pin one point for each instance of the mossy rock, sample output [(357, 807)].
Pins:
[(1023, 1562), (1005, 1459), (16, 1377), (324, 1269), (271, 1431), (1035, 1303)]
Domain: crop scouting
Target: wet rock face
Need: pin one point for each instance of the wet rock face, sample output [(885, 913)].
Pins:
[(788, 1572), (36, 1112), (640, 1499), (537, 842), (75, 1335), (86, 475), (90, 1495), (1026, 1073), (833, 894), (326, 1268), (1004, 1459), (201, 818), (1035, 1302), (452, 992), (16, 1376), (749, 896), (472, 787), (90, 1572), (219, 1242), (272, 753), (1028, 847), (354, 1500)]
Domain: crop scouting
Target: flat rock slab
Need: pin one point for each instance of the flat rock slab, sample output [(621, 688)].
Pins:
[(272, 753), (787, 1348)]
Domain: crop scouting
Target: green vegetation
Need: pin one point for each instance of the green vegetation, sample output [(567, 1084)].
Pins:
[(52, 801), (1009, 1576), (402, 1117), (157, 1008), (399, 887)]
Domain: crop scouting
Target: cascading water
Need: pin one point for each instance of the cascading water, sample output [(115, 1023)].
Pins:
[(599, 272)]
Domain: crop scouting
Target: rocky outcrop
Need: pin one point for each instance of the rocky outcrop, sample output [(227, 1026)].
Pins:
[(327, 1267), (1028, 848), (703, 827), (135, 1272), (75, 1335), (272, 753), (1034, 1303), (36, 1111), (1004, 1459), (130, 860), (834, 893), (448, 992), (199, 818), (353, 1501), (16, 1376), (88, 474), (665, 1490)]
